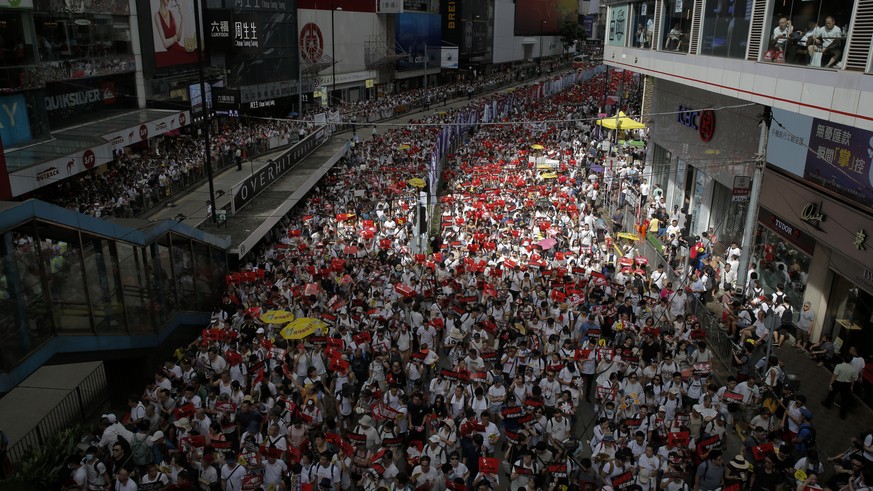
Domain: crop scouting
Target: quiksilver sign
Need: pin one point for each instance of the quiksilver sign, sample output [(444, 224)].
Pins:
[(73, 99)]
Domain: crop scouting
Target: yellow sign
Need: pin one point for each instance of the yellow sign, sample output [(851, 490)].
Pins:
[(301, 328), (369, 83)]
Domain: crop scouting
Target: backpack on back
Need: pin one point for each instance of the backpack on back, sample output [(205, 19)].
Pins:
[(141, 453)]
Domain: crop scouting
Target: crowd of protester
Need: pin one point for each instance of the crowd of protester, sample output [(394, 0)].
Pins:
[(471, 366), (137, 180)]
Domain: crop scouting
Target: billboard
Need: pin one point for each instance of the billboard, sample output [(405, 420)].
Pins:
[(14, 122), (833, 156), (196, 98), (452, 25), (264, 48), (389, 6), (352, 28), (532, 15), (75, 101), (174, 32), (219, 31), (449, 57), (618, 25), (225, 101), (418, 35)]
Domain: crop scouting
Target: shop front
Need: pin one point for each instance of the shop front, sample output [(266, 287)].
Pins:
[(700, 142), (821, 252)]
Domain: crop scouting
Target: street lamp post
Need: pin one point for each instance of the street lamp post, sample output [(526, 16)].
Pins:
[(542, 24), (333, 52)]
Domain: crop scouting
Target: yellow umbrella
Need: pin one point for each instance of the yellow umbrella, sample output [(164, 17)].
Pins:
[(544, 167), (416, 182), (538, 147), (277, 317), (404, 146), (549, 175), (302, 327), (629, 236)]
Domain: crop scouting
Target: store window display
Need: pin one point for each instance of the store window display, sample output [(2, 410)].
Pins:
[(780, 263), (850, 316)]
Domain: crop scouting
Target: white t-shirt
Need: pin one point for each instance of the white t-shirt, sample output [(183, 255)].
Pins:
[(233, 477)]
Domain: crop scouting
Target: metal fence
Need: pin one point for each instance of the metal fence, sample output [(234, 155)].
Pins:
[(718, 339), (79, 404)]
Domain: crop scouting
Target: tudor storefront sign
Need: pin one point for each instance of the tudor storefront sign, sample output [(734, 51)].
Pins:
[(245, 191), (786, 230), (702, 121)]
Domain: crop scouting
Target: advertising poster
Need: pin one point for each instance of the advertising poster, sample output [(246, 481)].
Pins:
[(174, 32), (531, 15), (418, 35), (839, 160), (14, 123)]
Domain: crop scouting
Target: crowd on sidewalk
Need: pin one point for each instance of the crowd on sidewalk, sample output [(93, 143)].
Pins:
[(467, 367), (137, 180)]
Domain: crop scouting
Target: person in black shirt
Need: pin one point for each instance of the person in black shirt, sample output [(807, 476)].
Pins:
[(472, 449), (416, 412)]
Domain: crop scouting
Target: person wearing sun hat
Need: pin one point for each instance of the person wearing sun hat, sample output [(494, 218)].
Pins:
[(736, 472)]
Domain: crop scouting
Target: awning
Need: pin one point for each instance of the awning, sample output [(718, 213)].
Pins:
[(623, 122), (529, 40), (83, 147)]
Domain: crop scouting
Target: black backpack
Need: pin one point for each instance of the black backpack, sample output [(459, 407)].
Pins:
[(787, 316)]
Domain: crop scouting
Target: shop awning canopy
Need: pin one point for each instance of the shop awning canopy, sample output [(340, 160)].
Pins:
[(623, 122)]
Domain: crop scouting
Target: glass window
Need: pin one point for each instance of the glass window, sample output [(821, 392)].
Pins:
[(206, 298), (183, 269), (101, 268), (165, 296), (60, 254), (643, 23), (677, 25), (808, 32), (81, 36), (726, 28), (850, 315), (15, 48), (781, 263), (136, 281)]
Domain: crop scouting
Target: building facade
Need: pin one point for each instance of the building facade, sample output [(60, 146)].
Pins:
[(712, 69)]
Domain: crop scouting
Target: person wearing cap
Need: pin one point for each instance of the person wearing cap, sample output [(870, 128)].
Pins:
[(435, 451), (160, 446), (365, 427), (113, 430)]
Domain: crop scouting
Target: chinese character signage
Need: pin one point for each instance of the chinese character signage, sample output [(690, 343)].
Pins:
[(219, 29), (839, 160), (832, 155), (246, 33), (389, 6)]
